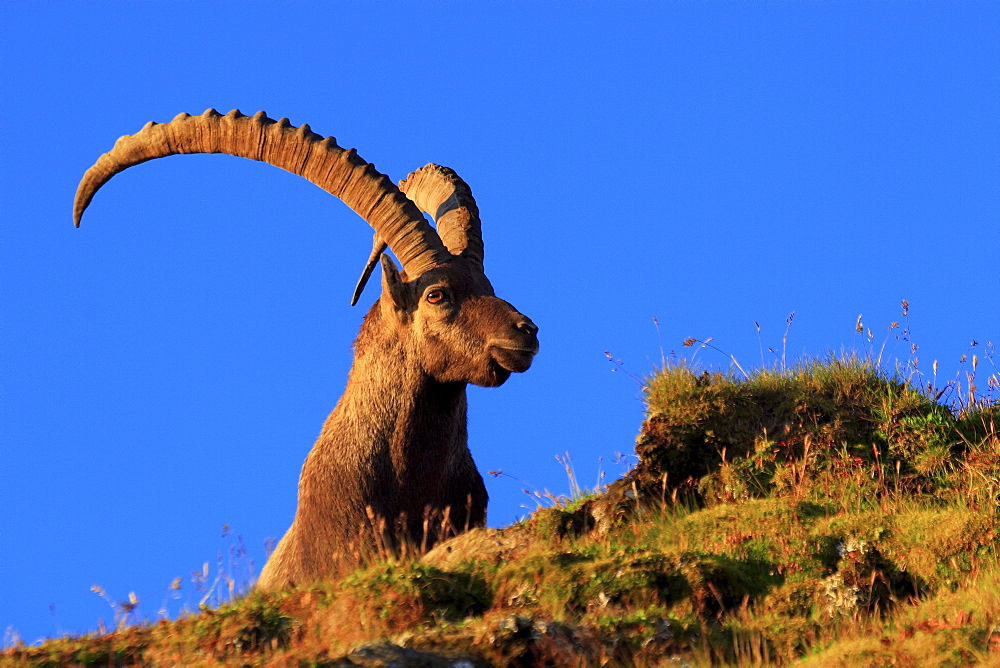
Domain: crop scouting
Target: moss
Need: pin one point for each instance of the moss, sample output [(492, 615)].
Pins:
[(448, 595), (565, 584), (731, 440), (562, 522), (940, 546)]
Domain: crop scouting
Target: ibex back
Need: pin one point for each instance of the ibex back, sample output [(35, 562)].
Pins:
[(392, 463)]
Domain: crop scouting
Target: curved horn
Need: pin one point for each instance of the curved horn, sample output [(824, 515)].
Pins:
[(442, 193), (298, 150), (448, 199)]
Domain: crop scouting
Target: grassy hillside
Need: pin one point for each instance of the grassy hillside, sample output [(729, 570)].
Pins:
[(828, 514)]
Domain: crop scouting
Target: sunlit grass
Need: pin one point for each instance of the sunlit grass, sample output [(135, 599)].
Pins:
[(825, 511)]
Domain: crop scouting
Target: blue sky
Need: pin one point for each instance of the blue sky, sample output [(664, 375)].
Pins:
[(166, 368)]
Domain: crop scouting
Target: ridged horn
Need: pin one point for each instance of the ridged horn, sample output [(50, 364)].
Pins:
[(320, 160), (442, 193), (448, 199)]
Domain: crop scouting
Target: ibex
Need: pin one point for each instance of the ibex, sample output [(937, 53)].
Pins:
[(394, 451)]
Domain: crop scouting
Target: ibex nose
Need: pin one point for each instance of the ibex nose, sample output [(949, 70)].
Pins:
[(525, 325)]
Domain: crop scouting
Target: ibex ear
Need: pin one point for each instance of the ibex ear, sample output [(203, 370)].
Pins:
[(392, 284)]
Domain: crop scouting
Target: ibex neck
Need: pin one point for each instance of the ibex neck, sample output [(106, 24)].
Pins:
[(392, 408)]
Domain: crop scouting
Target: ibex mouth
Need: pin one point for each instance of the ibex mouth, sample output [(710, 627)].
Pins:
[(513, 355)]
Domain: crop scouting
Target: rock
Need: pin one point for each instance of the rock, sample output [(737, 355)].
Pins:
[(394, 656), (491, 545)]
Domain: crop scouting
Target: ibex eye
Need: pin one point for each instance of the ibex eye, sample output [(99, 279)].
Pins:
[(435, 296)]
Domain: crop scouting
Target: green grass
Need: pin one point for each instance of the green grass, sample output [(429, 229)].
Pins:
[(827, 513)]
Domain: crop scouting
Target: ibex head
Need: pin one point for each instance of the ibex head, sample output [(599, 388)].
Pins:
[(449, 319), (457, 329)]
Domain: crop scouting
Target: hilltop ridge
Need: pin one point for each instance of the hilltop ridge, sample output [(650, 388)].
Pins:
[(825, 514)]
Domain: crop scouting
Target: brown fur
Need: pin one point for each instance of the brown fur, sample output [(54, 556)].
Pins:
[(394, 450)]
